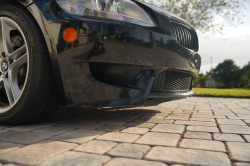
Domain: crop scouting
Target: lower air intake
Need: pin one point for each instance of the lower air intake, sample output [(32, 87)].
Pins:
[(172, 82)]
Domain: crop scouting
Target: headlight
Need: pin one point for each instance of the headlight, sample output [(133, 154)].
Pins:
[(122, 10)]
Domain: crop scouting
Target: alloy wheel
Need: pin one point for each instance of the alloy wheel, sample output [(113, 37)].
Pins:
[(14, 63)]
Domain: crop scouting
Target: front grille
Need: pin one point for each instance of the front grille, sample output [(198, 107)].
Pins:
[(185, 36), (172, 81)]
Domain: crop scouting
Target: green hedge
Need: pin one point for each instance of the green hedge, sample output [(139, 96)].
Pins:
[(247, 87)]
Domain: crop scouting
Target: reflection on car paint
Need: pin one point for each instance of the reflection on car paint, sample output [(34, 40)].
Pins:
[(108, 43)]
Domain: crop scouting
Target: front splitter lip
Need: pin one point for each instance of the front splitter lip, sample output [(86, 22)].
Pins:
[(160, 95)]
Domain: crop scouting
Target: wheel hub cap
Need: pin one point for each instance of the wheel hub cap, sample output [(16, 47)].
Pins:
[(4, 65)]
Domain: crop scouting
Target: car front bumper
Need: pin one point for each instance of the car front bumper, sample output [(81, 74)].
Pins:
[(113, 63)]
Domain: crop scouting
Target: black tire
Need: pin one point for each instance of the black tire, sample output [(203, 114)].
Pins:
[(38, 99)]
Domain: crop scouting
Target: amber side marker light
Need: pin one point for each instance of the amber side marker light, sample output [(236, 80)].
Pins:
[(69, 35)]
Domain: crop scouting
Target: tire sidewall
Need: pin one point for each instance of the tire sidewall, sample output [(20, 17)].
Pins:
[(21, 106)]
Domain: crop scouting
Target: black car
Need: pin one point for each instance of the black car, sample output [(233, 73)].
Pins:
[(93, 53)]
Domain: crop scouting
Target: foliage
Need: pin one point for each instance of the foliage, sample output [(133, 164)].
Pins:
[(201, 79), (245, 75), (202, 14), (209, 92), (247, 87), (227, 73)]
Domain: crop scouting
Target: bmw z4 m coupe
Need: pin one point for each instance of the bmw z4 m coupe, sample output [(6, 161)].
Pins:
[(95, 53)]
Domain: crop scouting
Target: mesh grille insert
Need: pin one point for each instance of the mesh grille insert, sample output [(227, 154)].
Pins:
[(172, 81), (185, 36)]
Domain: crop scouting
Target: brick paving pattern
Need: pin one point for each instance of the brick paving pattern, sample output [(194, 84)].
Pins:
[(193, 131)]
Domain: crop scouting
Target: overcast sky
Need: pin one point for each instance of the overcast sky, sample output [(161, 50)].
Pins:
[(235, 44)]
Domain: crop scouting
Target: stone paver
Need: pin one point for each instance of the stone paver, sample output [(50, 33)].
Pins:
[(6, 147), (171, 128), (3, 127), (188, 132), (203, 128), (135, 130), (20, 137), (81, 125), (155, 138), (230, 122), (1, 131), (241, 164), (53, 130), (187, 156), (129, 151), (198, 135), (202, 119), (111, 128), (160, 117), (235, 129), (118, 137), (247, 137), (154, 120), (36, 153), (139, 124), (228, 137), (178, 117), (239, 151), (78, 136), (202, 144), (203, 115), (208, 116), (95, 146), (247, 121), (112, 123), (27, 128), (240, 117), (77, 159), (132, 162), (180, 165), (195, 123)]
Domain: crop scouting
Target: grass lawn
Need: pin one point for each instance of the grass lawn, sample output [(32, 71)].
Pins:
[(238, 93)]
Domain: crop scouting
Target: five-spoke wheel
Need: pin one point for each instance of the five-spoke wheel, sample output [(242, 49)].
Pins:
[(27, 88), (14, 62)]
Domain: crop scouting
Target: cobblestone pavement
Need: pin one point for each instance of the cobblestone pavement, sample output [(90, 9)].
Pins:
[(193, 131)]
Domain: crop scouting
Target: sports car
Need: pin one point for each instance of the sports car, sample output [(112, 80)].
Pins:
[(91, 53)]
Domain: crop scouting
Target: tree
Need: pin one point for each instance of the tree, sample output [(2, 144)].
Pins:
[(201, 79), (202, 13), (245, 75), (227, 73)]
